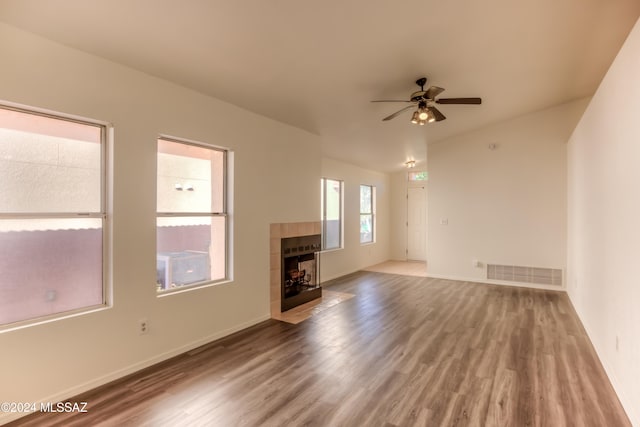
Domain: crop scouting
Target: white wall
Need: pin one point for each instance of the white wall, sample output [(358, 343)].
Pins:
[(354, 255), (503, 206), (272, 162), (398, 218), (604, 216)]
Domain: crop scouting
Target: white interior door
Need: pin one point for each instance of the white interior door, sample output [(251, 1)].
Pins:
[(417, 223)]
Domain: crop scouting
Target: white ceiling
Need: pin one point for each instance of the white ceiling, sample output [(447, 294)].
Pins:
[(316, 65)]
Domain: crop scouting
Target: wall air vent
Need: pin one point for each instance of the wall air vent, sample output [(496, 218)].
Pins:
[(513, 273)]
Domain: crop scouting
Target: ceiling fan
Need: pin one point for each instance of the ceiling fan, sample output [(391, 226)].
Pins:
[(424, 100)]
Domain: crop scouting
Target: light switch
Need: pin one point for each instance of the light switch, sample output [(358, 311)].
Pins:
[(444, 221)]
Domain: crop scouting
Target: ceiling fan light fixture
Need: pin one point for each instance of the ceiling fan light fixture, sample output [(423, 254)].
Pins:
[(431, 117), (425, 101)]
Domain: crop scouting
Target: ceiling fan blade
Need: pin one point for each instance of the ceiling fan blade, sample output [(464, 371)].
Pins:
[(459, 101), (389, 100), (434, 91), (396, 113), (437, 114)]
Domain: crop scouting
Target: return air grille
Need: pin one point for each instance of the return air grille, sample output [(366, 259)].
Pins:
[(513, 273)]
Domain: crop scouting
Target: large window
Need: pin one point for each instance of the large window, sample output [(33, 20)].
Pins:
[(192, 215), (367, 213), (52, 214), (331, 213)]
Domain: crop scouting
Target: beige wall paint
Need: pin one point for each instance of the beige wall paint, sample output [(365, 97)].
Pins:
[(273, 165), (398, 225), (354, 255), (604, 223), (503, 206)]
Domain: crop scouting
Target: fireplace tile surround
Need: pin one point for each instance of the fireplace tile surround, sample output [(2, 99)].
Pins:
[(282, 231)]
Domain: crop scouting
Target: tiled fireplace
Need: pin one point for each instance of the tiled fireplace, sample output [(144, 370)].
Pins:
[(299, 276)]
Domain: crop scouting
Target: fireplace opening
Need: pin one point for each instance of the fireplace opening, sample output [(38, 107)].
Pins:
[(300, 274), (300, 281)]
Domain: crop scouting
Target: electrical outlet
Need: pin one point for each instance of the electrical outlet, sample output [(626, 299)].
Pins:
[(143, 326)]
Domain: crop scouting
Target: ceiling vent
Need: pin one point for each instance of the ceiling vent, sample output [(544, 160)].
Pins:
[(513, 273)]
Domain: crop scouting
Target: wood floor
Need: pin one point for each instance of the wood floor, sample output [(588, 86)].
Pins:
[(407, 268), (405, 351)]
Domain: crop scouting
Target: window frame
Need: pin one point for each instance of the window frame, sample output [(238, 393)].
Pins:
[(418, 176), (106, 130), (223, 214), (372, 214), (323, 219)]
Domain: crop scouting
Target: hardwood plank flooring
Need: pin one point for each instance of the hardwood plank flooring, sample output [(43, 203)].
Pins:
[(405, 351), (407, 268)]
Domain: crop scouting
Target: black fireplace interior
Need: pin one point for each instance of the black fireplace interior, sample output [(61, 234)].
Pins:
[(299, 274), (299, 270)]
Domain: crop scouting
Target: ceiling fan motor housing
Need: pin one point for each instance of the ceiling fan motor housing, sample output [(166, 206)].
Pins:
[(421, 94), (418, 96)]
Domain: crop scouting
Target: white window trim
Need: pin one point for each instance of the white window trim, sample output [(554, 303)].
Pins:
[(106, 134), (225, 214)]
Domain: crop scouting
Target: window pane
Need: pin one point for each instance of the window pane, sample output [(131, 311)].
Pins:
[(190, 250), (333, 200), (49, 266), (191, 246), (190, 178), (332, 235), (333, 212), (48, 165), (365, 199), (366, 213), (366, 228), (418, 176)]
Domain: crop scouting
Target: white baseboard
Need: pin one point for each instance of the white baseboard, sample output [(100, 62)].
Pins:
[(97, 382), (468, 279), (497, 282), (626, 403)]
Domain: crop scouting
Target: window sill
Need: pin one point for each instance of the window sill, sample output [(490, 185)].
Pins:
[(189, 288), (37, 321), (326, 251)]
